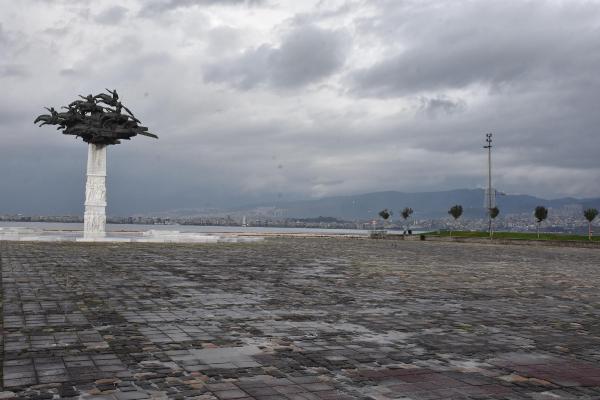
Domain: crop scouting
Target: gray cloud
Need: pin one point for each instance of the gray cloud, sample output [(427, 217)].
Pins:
[(154, 7), (434, 107), (347, 97), (58, 32), (111, 15), (306, 55), (322, 13), (10, 42), (515, 44), (69, 72), (223, 40), (13, 70)]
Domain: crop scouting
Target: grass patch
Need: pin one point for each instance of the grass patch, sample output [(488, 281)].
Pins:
[(515, 235)]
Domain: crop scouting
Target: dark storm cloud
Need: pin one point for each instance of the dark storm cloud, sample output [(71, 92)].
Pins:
[(111, 15), (154, 7), (514, 44), (306, 55)]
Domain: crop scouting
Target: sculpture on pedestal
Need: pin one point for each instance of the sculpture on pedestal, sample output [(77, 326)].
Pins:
[(99, 120)]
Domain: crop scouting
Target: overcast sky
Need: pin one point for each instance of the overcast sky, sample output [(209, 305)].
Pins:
[(288, 99)]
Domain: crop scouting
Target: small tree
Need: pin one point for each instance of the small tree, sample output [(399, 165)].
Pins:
[(590, 214), (456, 211), (385, 214), (494, 211), (541, 213), (406, 213)]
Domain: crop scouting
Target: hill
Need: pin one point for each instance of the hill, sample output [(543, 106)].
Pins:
[(425, 205)]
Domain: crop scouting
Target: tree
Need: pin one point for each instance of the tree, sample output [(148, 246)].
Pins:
[(456, 211), (541, 213), (494, 211), (385, 214), (406, 213), (590, 214)]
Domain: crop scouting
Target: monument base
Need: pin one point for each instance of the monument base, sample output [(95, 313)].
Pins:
[(152, 236)]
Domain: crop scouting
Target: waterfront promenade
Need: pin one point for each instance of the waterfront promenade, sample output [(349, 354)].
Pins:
[(300, 319)]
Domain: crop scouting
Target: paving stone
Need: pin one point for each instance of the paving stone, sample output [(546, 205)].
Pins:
[(315, 387), (230, 394), (11, 383), (132, 395), (300, 319)]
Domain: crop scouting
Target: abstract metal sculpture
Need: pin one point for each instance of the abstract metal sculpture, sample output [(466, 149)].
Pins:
[(99, 121)]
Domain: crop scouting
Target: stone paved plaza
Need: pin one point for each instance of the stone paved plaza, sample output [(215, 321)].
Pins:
[(300, 319)]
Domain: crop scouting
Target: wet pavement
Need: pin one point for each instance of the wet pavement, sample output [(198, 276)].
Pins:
[(297, 319)]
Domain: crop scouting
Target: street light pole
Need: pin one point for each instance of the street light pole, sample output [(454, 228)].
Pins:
[(488, 139)]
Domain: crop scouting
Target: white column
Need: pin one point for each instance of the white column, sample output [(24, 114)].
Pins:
[(94, 219)]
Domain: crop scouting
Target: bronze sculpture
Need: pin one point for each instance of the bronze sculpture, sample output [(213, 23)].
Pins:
[(100, 121), (96, 119)]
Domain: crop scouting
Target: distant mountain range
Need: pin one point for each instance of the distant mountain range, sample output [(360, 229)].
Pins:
[(367, 206), (425, 205)]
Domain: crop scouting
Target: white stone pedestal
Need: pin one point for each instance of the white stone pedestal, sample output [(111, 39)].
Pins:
[(94, 219)]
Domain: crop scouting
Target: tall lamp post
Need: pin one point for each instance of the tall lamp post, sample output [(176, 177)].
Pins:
[(490, 195)]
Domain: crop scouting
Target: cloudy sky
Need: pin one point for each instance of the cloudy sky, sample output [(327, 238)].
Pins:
[(283, 99)]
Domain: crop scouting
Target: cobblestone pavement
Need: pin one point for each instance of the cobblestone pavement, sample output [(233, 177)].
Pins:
[(299, 319)]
